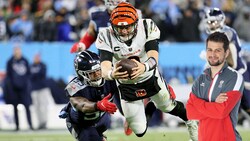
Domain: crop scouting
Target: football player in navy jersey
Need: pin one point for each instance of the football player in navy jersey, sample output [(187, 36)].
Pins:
[(90, 99), (214, 21)]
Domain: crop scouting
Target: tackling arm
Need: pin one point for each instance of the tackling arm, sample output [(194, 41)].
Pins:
[(86, 41), (90, 36), (82, 104)]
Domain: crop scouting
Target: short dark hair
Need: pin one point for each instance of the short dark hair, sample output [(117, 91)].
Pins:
[(219, 37)]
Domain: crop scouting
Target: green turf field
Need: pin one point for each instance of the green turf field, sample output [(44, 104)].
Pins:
[(117, 135)]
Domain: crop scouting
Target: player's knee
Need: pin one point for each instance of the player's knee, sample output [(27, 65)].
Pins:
[(169, 106), (138, 128), (142, 134)]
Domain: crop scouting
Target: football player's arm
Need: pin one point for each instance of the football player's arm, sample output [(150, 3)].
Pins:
[(106, 64), (108, 72), (86, 41), (151, 47), (82, 104)]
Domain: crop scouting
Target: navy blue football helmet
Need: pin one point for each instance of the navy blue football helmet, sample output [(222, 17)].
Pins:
[(214, 20), (88, 68)]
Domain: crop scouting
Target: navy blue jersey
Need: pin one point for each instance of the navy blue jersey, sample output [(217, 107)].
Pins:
[(235, 50), (100, 17), (76, 88)]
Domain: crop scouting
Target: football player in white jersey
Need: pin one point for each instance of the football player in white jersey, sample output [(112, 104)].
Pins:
[(130, 37), (99, 18)]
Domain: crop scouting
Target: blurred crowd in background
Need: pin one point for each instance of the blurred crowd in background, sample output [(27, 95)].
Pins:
[(67, 20)]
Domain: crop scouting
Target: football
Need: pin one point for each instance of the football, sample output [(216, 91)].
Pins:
[(127, 65)]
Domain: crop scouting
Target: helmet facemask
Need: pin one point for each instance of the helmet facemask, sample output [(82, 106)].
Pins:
[(92, 77), (125, 33)]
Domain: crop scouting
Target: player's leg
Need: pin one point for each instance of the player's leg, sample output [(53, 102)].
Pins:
[(83, 133), (149, 108), (117, 100), (135, 116), (103, 124), (165, 101)]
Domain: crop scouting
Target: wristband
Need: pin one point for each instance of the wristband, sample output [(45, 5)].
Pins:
[(110, 75), (150, 64), (146, 66)]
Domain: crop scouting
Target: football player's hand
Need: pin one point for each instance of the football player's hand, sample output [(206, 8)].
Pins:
[(106, 105), (137, 71), (116, 74), (222, 97), (77, 47)]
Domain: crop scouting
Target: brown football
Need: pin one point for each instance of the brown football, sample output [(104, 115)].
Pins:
[(127, 65)]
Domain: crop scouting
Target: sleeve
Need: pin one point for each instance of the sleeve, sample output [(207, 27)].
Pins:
[(103, 41), (192, 112), (152, 45), (73, 87), (216, 110), (105, 55), (151, 30)]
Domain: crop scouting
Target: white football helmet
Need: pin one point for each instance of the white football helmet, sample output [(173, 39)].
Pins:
[(214, 20)]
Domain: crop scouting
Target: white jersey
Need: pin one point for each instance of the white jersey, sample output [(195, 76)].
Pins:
[(146, 31)]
